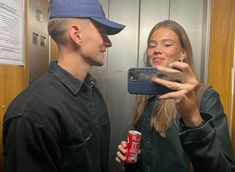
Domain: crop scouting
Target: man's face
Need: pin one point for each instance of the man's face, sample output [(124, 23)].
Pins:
[(93, 44)]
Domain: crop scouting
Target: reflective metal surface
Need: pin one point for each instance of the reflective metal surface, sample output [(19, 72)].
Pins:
[(121, 56), (192, 15), (151, 12), (38, 45)]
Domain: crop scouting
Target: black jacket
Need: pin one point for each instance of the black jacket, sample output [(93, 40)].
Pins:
[(59, 124), (208, 146)]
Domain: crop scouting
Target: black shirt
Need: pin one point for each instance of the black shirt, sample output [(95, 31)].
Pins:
[(59, 123)]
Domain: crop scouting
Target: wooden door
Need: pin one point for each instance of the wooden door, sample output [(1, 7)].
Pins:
[(12, 79), (221, 53)]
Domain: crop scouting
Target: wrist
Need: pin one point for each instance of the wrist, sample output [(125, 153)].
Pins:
[(193, 119)]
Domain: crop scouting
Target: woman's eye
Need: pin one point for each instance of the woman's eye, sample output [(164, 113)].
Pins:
[(151, 46), (167, 45)]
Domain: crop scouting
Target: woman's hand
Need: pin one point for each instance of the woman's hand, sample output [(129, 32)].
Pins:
[(120, 157), (185, 94)]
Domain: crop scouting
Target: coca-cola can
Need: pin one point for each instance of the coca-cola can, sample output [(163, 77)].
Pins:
[(133, 146)]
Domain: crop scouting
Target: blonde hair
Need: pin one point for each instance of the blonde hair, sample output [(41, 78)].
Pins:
[(164, 114)]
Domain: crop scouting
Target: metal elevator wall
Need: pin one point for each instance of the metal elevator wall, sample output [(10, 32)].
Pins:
[(38, 38), (128, 49)]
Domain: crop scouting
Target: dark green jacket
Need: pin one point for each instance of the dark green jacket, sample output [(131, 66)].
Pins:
[(208, 146)]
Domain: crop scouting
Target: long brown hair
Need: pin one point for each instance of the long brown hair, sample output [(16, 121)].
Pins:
[(165, 113)]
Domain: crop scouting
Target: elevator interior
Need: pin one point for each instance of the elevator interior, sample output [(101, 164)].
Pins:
[(38, 39), (127, 51)]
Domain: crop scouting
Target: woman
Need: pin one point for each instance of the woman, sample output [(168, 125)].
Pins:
[(179, 134)]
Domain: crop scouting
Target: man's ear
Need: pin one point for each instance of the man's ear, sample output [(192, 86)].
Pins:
[(74, 32)]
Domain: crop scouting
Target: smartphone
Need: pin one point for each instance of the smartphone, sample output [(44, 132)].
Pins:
[(139, 81)]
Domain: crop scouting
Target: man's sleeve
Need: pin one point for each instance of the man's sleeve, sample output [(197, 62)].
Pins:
[(28, 146)]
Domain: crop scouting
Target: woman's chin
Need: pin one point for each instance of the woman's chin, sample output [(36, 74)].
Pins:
[(159, 64)]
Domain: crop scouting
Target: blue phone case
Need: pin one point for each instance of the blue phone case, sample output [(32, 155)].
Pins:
[(139, 81)]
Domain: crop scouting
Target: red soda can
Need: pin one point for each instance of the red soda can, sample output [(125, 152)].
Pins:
[(133, 146)]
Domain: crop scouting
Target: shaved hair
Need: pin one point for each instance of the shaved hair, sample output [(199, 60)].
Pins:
[(58, 28)]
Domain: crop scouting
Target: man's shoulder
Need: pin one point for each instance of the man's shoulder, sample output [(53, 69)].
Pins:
[(34, 99)]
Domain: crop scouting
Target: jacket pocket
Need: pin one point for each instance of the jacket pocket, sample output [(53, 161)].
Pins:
[(81, 145), (76, 157)]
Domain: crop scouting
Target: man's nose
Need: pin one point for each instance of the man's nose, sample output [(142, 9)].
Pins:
[(107, 42)]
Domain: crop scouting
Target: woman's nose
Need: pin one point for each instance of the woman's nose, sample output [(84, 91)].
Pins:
[(157, 50)]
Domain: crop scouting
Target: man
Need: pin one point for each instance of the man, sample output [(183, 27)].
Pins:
[(60, 123)]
